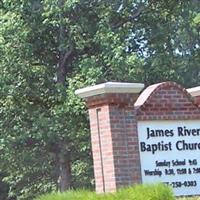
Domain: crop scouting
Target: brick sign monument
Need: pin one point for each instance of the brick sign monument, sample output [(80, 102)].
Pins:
[(145, 138)]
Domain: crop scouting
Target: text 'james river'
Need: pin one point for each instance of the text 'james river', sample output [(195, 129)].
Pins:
[(180, 144)]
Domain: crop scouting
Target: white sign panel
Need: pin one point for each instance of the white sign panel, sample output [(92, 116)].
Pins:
[(170, 153)]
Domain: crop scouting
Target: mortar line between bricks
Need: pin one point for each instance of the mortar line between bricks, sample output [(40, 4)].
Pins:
[(100, 147)]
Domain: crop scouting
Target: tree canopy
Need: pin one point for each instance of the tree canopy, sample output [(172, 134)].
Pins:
[(50, 48)]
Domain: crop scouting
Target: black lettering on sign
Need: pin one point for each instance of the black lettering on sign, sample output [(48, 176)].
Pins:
[(189, 171), (155, 172), (178, 184), (159, 133), (193, 162), (181, 145), (183, 131), (181, 171), (196, 170), (162, 163), (178, 162), (169, 172), (160, 146)]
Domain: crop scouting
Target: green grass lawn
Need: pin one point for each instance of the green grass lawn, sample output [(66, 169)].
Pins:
[(139, 192)]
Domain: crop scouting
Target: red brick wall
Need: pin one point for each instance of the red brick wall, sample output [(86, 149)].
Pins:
[(102, 149), (114, 141), (125, 145), (166, 101)]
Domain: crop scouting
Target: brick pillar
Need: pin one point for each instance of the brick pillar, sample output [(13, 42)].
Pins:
[(195, 92), (113, 134)]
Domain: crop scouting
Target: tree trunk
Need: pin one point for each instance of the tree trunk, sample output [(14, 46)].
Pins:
[(64, 53), (64, 179), (64, 63)]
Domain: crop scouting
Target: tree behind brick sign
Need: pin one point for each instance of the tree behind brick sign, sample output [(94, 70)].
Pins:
[(50, 48)]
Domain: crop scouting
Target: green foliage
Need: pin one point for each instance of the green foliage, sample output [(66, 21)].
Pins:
[(43, 122), (164, 36), (50, 48), (140, 192), (197, 19)]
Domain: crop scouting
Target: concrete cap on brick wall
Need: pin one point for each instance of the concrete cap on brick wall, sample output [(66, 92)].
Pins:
[(109, 87), (195, 91)]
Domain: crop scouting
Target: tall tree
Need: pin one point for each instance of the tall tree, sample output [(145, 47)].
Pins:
[(164, 36), (49, 48)]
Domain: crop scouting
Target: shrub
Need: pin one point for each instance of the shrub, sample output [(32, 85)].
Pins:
[(139, 192)]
